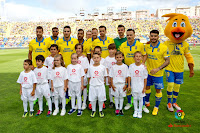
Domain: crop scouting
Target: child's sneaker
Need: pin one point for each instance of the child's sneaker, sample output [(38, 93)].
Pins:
[(170, 108), (139, 115), (117, 112), (144, 108), (38, 113), (71, 111), (25, 114), (90, 106), (155, 111), (101, 114), (84, 106), (104, 106), (135, 115), (79, 112), (93, 114), (175, 105), (55, 112), (111, 104), (121, 112), (128, 106), (63, 111), (49, 113), (31, 114)]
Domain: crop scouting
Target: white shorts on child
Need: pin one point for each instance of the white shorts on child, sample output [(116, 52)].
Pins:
[(119, 92), (26, 95), (137, 95), (59, 92), (74, 88), (42, 90), (97, 92)]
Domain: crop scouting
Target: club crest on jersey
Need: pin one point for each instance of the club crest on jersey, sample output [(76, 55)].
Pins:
[(44, 43), (135, 47), (108, 41), (158, 49), (71, 42), (39, 74)]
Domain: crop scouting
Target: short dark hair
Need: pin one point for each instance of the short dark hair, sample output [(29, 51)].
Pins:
[(40, 57), (96, 54), (112, 46), (53, 45), (154, 31), (54, 28), (119, 26), (98, 47), (119, 53), (81, 30), (39, 27), (137, 52), (102, 26), (131, 30), (67, 27), (28, 61), (78, 44), (94, 29)]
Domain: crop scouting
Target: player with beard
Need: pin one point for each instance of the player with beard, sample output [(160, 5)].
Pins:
[(38, 46), (157, 59)]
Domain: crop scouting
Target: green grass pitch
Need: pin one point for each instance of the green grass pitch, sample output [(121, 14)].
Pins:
[(11, 109)]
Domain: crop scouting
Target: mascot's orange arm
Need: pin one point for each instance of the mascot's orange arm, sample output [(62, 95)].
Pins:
[(190, 62), (189, 58)]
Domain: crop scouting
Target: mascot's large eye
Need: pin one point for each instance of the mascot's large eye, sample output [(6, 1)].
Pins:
[(174, 24), (182, 24)]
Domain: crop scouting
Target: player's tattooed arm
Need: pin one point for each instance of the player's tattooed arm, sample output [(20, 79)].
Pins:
[(166, 63), (30, 55)]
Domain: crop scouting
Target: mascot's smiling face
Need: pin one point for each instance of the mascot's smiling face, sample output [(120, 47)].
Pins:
[(178, 29)]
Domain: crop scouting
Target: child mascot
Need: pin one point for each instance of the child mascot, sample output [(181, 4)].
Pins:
[(177, 30)]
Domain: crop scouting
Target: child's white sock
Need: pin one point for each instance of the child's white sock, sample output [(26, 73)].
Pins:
[(110, 95), (56, 103), (79, 101), (73, 102), (140, 104), (135, 104), (94, 105), (63, 103), (121, 101), (31, 105), (85, 95), (25, 104), (40, 102), (100, 106), (117, 103), (49, 103)]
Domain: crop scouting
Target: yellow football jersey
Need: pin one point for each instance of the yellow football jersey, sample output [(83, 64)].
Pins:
[(103, 44), (38, 48), (177, 52), (156, 57), (129, 50), (88, 44), (85, 47), (51, 41), (67, 48)]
